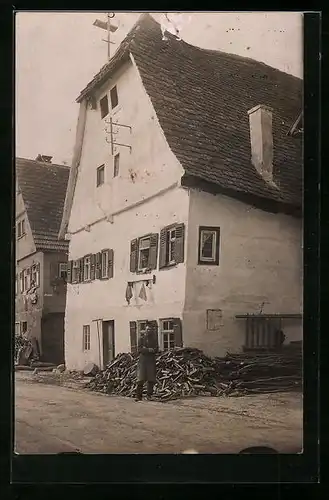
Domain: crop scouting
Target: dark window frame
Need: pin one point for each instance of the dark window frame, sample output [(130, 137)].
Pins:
[(147, 236), (114, 98), (86, 338), (168, 263), (116, 165), (105, 109), (21, 229), (201, 261), (100, 169), (84, 278)]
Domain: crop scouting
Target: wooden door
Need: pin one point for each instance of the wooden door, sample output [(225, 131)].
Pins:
[(108, 342)]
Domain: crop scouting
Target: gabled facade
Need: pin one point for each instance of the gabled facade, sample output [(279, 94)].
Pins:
[(184, 202), (41, 259)]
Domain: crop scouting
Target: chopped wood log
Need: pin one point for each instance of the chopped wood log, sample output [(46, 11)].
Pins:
[(186, 372)]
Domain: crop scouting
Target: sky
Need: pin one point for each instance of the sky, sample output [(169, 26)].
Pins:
[(58, 53)]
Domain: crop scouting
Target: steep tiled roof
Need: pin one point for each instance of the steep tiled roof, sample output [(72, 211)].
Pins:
[(201, 98), (43, 187)]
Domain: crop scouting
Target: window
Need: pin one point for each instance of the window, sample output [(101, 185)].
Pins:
[(100, 175), (35, 274), (75, 271), (86, 268), (21, 281), (24, 327), (144, 253), (171, 245), (16, 285), (104, 264), (86, 337), (141, 327), (62, 270), (114, 97), (116, 165), (21, 228), (104, 105), (17, 328), (209, 245), (27, 280), (168, 335)]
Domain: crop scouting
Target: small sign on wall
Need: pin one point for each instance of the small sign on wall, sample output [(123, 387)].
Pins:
[(214, 319)]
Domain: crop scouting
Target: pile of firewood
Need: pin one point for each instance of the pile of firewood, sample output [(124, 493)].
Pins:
[(186, 372)]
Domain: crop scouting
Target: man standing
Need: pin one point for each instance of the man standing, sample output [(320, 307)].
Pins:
[(146, 367)]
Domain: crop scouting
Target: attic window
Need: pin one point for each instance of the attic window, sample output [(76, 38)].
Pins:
[(104, 105), (114, 97), (116, 165), (21, 228), (100, 175)]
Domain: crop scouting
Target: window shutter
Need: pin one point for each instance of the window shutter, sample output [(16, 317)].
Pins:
[(92, 266), (133, 255), (80, 271), (69, 272), (178, 332), (133, 337), (154, 324), (53, 271), (163, 248), (179, 243), (153, 251), (110, 270), (98, 262), (38, 274)]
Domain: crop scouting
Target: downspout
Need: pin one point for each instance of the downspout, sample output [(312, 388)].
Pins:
[(81, 125)]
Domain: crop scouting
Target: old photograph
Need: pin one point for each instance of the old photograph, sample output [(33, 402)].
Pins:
[(158, 232)]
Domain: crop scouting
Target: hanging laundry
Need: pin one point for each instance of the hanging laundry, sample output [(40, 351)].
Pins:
[(129, 293), (142, 293)]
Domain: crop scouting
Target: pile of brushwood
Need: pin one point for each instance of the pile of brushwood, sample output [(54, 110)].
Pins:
[(186, 372), (22, 343)]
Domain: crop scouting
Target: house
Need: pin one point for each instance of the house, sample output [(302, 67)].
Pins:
[(184, 202), (41, 259)]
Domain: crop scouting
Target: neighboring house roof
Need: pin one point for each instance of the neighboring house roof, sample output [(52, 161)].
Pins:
[(202, 97), (43, 187)]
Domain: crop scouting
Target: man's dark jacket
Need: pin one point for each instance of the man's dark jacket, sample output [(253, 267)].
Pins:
[(146, 368)]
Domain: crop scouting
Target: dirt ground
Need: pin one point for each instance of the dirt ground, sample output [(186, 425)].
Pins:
[(52, 419)]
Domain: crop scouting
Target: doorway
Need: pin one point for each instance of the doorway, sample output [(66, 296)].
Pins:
[(108, 342)]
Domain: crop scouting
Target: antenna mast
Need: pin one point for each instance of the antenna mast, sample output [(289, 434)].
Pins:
[(109, 28)]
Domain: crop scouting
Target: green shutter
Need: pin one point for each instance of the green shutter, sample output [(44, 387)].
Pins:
[(133, 337), (134, 255), (110, 268), (163, 248), (69, 272), (80, 270), (178, 332), (179, 243), (154, 325), (153, 251), (92, 266), (98, 262)]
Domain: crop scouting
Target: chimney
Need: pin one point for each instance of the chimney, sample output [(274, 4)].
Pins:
[(44, 158), (261, 140)]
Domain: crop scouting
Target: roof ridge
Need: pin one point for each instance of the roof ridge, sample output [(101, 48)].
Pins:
[(43, 163)]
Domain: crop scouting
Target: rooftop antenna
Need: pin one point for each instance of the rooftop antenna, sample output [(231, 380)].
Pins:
[(109, 28)]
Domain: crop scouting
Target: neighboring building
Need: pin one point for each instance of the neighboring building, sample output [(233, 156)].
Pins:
[(41, 259), (183, 203)]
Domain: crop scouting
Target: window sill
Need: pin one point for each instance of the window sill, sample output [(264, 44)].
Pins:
[(207, 263), (170, 266)]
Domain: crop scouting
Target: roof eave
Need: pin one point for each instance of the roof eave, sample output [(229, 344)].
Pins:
[(121, 56), (265, 204)]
